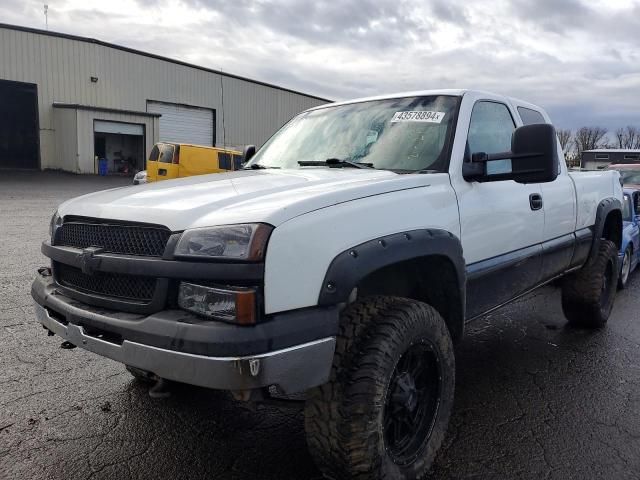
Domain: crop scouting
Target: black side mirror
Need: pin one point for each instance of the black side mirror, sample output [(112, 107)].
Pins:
[(533, 158), (248, 152)]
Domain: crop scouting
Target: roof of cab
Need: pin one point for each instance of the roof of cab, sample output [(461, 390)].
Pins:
[(423, 93)]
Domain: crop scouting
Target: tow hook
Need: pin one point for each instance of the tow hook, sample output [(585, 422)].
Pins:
[(67, 345), (160, 389)]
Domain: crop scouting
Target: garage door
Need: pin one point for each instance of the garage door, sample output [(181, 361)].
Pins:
[(19, 129), (181, 124)]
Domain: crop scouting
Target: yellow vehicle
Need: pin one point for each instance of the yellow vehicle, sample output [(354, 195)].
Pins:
[(177, 160)]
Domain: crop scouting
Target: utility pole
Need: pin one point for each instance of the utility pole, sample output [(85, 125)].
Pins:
[(46, 18)]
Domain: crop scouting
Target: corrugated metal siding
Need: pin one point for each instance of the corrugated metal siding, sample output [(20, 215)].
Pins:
[(66, 139), (62, 69)]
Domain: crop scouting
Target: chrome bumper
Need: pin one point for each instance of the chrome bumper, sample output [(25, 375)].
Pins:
[(292, 369)]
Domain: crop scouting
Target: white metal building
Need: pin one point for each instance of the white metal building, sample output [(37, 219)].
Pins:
[(601, 158), (66, 101)]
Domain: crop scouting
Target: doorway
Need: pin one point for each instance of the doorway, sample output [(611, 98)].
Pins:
[(19, 129), (121, 144)]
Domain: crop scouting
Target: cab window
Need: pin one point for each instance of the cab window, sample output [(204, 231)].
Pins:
[(491, 128), (490, 131), (224, 161), (237, 162), (166, 153), (529, 116)]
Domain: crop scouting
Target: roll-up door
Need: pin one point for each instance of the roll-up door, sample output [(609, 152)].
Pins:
[(182, 124)]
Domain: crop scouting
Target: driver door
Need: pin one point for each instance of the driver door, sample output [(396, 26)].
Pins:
[(502, 222)]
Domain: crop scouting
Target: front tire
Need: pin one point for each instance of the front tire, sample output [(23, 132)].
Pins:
[(588, 294), (385, 410), (626, 268)]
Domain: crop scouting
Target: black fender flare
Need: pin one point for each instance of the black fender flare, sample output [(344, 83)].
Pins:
[(351, 266), (605, 207)]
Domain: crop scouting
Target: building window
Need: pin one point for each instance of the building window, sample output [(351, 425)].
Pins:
[(602, 156)]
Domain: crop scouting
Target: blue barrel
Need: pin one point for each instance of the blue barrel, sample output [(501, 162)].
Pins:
[(103, 166)]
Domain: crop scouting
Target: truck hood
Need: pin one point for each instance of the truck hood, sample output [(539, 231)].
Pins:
[(269, 196)]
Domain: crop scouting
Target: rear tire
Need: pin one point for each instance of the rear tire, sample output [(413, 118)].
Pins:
[(385, 410), (588, 294), (625, 270)]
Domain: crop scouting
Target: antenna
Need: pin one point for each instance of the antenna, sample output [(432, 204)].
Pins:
[(224, 133), (46, 17)]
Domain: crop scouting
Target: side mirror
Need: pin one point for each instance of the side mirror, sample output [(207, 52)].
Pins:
[(248, 152), (533, 158)]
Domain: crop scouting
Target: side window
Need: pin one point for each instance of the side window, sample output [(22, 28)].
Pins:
[(529, 117), (224, 161), (166, 154), (155, 153), (237, 162), (491, 128), (626, 208)]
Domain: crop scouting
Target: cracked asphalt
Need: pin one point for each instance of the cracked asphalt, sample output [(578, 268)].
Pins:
[(534, 399)]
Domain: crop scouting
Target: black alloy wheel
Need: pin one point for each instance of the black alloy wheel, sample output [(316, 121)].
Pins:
[(412, 402)]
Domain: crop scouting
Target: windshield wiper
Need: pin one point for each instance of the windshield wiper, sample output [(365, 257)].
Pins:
[(334, 162), (256, 166)]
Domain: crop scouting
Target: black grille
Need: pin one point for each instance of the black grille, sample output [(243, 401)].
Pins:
[(114, 238), (128, 287)]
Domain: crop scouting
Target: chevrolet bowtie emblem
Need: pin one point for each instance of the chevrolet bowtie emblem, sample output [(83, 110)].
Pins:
[(88, 262)]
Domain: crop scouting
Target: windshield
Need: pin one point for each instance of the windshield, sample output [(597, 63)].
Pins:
[(628, 176), (404, 134)]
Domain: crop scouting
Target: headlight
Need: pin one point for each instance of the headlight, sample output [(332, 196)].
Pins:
[(55, 222), (231, 242), (237, 305)]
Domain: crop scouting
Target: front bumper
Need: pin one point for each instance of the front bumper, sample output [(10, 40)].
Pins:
[(293, 352)]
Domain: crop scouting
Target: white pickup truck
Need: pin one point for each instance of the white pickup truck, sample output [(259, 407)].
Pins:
[(343, 261)]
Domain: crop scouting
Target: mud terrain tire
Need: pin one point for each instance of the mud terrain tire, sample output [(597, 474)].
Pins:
[(394, 361)]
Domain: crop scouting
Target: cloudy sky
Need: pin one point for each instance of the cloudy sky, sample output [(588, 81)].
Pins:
[(580, 60)]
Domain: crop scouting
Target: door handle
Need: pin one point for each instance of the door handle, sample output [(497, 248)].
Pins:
[(535, 201)]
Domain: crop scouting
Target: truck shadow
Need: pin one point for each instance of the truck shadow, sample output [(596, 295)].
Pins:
[(524, 401)]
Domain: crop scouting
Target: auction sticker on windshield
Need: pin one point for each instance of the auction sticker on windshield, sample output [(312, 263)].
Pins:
[(420, 116)]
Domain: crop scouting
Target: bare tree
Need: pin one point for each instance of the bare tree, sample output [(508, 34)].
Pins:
[(628, 137), (565, 136), (590, 138), (620, 137)]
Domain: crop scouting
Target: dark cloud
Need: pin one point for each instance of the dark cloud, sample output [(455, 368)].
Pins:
[(366, 24), (577, 59), (553, 15), (449, 12)]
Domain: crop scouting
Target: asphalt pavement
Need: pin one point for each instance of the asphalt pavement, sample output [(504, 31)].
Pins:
[(534, 399)]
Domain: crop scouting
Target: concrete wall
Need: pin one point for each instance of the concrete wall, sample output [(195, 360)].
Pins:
[(62, 68)]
